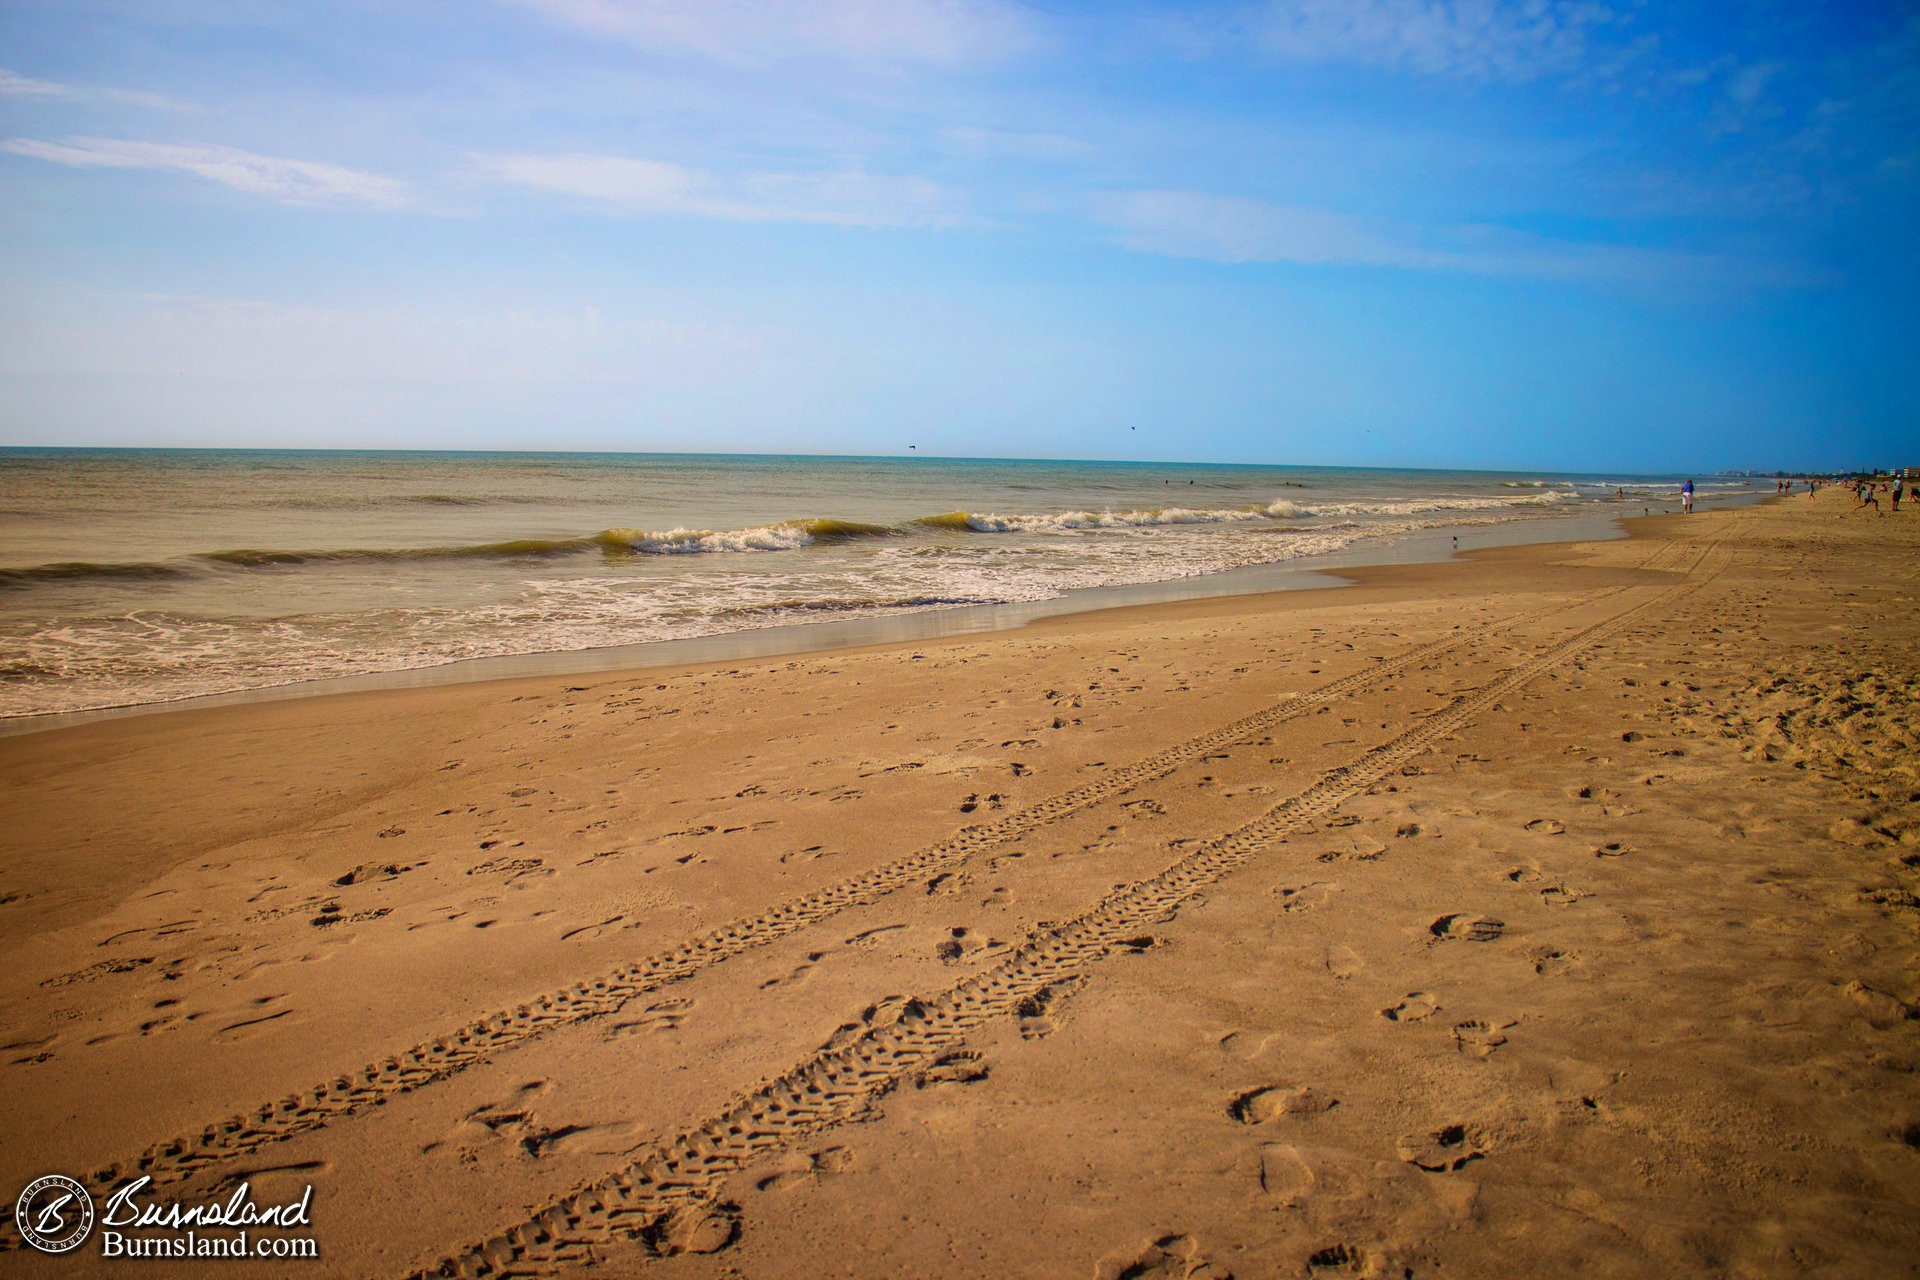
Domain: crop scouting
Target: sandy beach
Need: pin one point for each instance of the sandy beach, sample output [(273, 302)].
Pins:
[(1546, 912)]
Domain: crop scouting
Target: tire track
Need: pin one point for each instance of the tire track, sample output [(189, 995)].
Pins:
[(668, 1195), (434, 1060)]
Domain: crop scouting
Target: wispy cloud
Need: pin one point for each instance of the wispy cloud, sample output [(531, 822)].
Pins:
[(1232, 229), (1743, 99), (628, 185), (15, 85), (1191, 224), (948, 32), (22, 86), (1477, 39), (304, 182)]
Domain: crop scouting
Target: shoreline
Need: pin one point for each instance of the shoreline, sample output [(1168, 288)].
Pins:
[(1322, 572)]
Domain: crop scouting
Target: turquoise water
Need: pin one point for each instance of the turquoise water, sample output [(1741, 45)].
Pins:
[(138, 576)]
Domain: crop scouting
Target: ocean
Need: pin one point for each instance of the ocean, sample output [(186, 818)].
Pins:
[(131, 577)]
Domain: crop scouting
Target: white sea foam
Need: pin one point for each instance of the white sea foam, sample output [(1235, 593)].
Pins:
[(1423, 506), (1074, 520), (687, 567), (683, 542)]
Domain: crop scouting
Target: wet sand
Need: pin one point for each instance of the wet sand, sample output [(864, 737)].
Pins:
[(1547, 912)]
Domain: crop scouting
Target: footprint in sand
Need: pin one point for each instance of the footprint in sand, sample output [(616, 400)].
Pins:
[(33, 1059), (866, 939), (1305, 897), (1343, 962), (514, 1121), (1168, 1258), (259, 1003), (372, 871), (1479, 1038), (1547, 827), (884, 1013), (964, 944), (1257, 1106), (159, 931), (798, 974), (833, 1160), (1559, 895), (1446, 1149), (1284, 1175), (962, 1066), (1418, 1006), (694, 1229), (1882, 1010), (330, 914), (809, 854), (1355, 848), (821, 1164), (591, 932), (667, 1015), (1037, 1014), (511, 868), (1550, 962), (1613, 849), (1347, 1258), (1467, 928)]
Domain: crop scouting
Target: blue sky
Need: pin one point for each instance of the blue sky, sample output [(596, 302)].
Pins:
[(1600, 236)]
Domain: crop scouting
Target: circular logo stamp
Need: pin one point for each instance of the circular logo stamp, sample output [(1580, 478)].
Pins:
[(54, 1213)]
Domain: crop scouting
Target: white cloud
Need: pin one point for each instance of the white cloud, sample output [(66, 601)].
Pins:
[(13, 84), (22, 86), (1746, 85), (288, 181), (1478, 39), (1744, 99), (1191, 224), (1233, 229), (851, 199), (950, 32)]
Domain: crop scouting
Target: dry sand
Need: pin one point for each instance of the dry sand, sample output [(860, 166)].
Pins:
[(1550, 912)]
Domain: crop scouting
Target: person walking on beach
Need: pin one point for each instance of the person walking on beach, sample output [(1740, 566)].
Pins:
[(1686, 498), (1899, 490), (1867, 499)]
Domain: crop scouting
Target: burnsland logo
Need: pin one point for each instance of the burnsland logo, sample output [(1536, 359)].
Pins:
[(55, 1215)]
